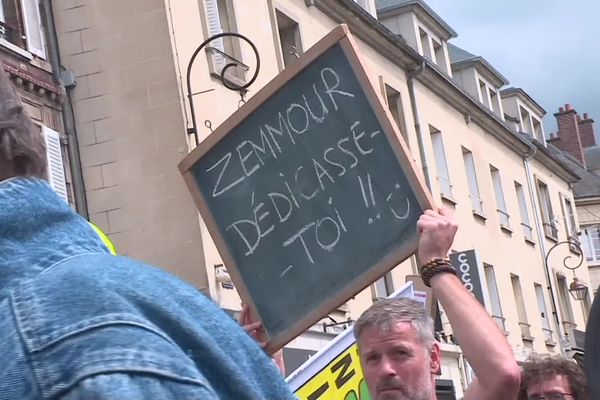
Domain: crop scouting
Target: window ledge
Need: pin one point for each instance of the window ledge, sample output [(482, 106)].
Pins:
[(480, 215), (506, 229), (527, 338), (552, 238), (529, 241), (16, 49), (448, 199), (550, 343)]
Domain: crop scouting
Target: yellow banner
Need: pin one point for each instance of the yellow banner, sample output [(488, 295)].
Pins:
[(341, 379)]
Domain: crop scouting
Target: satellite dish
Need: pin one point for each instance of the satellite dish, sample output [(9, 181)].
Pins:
[(592, 350)]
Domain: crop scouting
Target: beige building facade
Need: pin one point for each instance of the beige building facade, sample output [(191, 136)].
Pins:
[(481, 149)]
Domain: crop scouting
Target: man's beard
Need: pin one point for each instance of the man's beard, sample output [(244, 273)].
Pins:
[(421, 391)]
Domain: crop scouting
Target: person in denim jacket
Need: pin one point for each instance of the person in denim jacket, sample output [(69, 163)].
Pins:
[(79, 323)]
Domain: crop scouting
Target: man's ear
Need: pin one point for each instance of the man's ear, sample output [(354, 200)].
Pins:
[(435, 361)]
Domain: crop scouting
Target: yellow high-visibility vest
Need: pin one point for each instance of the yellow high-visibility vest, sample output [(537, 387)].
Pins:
[(109, 245)]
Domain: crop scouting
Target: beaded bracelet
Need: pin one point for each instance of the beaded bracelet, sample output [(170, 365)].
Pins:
[(434, 267)]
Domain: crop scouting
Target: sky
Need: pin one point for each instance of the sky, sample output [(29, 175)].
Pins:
[(549, 48)]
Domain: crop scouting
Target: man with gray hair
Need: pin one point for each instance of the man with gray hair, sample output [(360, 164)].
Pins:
[(79, 323), (397, 349)]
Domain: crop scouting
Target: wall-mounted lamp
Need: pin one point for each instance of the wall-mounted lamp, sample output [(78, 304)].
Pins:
[(577, 288)]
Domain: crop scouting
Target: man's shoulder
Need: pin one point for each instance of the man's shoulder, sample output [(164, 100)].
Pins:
[(100, 313)]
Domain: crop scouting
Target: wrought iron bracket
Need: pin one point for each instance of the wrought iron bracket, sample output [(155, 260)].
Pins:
[(571, 244), (228, 84)]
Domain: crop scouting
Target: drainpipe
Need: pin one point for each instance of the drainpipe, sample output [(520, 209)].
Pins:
[(413, 104), (539, 228), (67, 113)]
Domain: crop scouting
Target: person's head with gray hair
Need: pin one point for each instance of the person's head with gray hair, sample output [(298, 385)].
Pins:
[(385, 313), (397, 350), (22, 150)]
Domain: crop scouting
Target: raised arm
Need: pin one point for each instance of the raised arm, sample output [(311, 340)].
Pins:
[(484, 346)]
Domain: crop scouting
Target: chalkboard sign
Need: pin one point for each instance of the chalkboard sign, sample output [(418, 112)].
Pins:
[(307, 190)]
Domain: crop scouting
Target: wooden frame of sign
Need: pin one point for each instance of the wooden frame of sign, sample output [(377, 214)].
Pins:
[(277, 338)]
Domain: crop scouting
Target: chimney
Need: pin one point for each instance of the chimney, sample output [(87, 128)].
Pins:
[(586, 131), (569, 139)]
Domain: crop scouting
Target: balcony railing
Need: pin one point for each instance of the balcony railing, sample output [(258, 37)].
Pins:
[(6, 32), (525, 330), (569, 326), (527, 232), (445, 187), (476, 204), (548, 337), (550, 231), (504, 218)]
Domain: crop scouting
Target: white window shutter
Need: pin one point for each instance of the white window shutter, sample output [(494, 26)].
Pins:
[(33, 28), (56, 169), (214, 28)]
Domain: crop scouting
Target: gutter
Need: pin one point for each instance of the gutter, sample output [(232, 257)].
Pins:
[(415, 112), (67, 113), (537, 217)]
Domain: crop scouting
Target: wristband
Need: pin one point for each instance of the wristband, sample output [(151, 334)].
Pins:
[(434, 267)]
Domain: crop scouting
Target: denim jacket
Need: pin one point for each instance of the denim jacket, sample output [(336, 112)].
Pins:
[(79, 323)]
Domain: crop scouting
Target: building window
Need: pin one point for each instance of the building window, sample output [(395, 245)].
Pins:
[(548, 220), (590, 243), (500, 202), (490, 279), (525, 224), (569, 218), (537, 130), (476, 202), (383, 287), (425, 47), (521, 311), (438, 53), (21, 25), (394, 102), (443, 175), (495, 102), (539, 293), (483, 94), (225, 50), (565, 304), (525, 120), (289, 38)]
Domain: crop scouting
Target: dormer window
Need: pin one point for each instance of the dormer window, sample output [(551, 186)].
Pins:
[(478, 77), (423, 29), (523, 110), (425, 50), (488, 95)]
